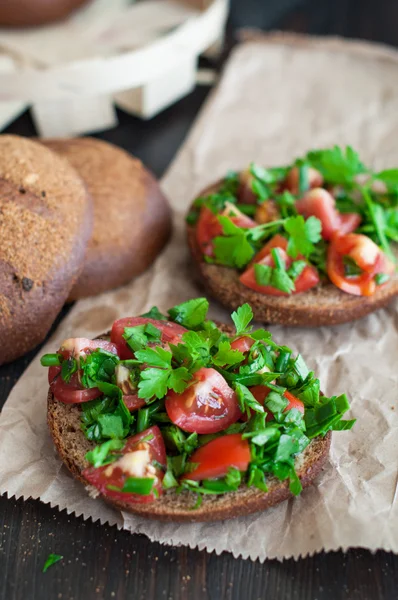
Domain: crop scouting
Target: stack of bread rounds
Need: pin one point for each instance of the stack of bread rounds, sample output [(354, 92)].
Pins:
[(132, 219), (50, 250), (45, 223)]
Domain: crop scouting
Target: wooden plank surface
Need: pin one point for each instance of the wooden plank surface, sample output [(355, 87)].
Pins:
[(101, 562)]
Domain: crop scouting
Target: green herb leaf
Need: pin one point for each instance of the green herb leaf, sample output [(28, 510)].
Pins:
[(138, 337), (51, 560), (336, 165), (226, 355), (233, 251), (190, 314), (263, 274), (381, 278), (98, 366), (246, 399), (154, 313), (136, 485), (68, 367), (51, 360), (242, 317), (155, 357), (101, 455), (303, 234)]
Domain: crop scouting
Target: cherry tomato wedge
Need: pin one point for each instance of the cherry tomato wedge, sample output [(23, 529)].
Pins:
[(216, 457), (114, 475), (307, 279), (73, 392), (278, 241), (293, 402), (209, 227), (171, 333), (348, 222), (366, 254), (132, 402), (208, 405), (242, 344)]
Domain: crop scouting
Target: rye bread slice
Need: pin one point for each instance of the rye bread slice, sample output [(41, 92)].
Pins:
[(45, 224), (132, 218), (72, 445), (323, 305)]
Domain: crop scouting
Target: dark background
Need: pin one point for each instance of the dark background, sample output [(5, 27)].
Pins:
[(101, 562)]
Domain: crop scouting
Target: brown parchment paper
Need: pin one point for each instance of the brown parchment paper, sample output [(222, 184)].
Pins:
[(276, 99)]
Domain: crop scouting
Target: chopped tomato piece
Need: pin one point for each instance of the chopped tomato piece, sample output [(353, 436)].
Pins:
[(216, 457), (133, 403), (320, 203), (366, 254), (348, 222), (208, 405), (138, 456), (242, 344), (307, 279), (171, 333), (278, 241), (209, 227), (315, 179), (73, 392), (293, 402)]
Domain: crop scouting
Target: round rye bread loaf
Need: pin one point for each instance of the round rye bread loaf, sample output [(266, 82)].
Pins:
[(20, 13), (45, 223), (64, 421), (132, 219), (324, 304)]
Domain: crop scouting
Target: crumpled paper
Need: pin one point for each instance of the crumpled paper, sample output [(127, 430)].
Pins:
[(276, 100)]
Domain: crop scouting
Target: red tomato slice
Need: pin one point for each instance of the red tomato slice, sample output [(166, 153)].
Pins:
[(349, 222), (102, 477), (307, 279), (278, 241), (171, 333), (73, 392), (293, 402), (216, 457), (367, 256), (208, 405), (320, 203), (315, 179), (209, 227), (132, 402), (242, 344)]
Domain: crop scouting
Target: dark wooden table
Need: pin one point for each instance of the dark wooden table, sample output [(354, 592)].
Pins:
[(101, 562)]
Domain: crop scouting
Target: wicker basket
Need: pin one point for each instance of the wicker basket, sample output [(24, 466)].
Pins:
[(142, 57)]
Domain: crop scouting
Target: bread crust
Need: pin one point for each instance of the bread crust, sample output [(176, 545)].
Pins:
[(132, 218), (45, 223), (323, 305), (72, 445), (22, 13)]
